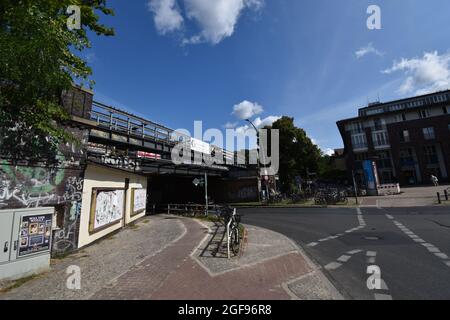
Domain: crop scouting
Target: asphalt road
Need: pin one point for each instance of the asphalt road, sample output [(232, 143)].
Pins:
[(410, 246)]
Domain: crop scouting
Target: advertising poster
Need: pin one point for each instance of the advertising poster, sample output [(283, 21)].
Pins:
[(109, 207), (139, 200), (35, 234)]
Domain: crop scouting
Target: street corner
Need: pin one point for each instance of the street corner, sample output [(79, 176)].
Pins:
[(258, 246)]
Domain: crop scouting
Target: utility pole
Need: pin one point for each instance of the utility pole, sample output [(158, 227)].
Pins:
[(259, 165), (206, 194), (355, 187)]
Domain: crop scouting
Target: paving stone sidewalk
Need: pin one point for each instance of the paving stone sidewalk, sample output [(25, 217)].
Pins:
[(170, 258)]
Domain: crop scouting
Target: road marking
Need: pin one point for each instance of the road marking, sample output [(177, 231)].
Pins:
[(379, 296), (390, 217), (429, 246), (312, 244), (341, 260), (333, 266), (371, 254), (344, 258), (441, 255), (362, 224), (384, 285)]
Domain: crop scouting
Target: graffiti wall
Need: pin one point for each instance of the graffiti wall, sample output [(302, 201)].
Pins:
[(25, 184), (38, 186)]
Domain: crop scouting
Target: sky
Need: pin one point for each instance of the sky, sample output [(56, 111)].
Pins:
[(223, 61)]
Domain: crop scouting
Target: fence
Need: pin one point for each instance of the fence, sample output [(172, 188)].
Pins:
[(192, 209)]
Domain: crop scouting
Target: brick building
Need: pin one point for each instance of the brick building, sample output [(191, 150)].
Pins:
[(409, 139)]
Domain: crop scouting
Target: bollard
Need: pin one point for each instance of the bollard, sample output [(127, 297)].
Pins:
[(439, 198), (446, 195)]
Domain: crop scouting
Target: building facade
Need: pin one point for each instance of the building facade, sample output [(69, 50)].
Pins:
[(409, 139)]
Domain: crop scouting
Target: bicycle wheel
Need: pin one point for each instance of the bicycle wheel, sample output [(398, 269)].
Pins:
[(234, 241)]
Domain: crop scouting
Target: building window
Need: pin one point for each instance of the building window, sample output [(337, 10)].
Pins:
[(400, 117), (407, 158), (378, 124), (404, 136), (428, 133), (424, 114), (380, 139), (431, 155), (359, 141)]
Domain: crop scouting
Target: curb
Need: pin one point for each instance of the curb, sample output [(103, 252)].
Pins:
[(316, 269)]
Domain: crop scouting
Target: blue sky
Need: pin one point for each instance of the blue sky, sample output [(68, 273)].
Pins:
[(177, 61)]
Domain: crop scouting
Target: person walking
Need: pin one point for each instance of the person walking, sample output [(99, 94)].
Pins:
[(435, 180)]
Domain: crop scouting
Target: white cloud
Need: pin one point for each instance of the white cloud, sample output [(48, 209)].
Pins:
[(361, 52), (167, 16), (216, 19), (423, 75), (261, 123), (328, 151), (246, 110)]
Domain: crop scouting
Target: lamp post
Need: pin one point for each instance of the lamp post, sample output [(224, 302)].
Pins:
[(258, 164)]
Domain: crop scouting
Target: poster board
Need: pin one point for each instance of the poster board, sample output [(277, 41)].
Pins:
[(35, 234), (138, 201), (107, 208)]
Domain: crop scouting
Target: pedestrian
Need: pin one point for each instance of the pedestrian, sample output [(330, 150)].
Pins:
[(435, 180)]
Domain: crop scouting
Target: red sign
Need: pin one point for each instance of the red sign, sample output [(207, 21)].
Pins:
[(148, 155)]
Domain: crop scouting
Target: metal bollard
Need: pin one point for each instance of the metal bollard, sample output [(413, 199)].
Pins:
[(439, 198), (446, 195)]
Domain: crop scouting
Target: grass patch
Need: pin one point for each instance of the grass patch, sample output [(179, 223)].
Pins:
[(18, 283)]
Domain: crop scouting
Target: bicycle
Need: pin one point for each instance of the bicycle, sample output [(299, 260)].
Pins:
[(232, 221)]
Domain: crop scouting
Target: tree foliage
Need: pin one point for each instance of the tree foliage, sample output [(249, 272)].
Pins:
[(298, 154), (39, 59)]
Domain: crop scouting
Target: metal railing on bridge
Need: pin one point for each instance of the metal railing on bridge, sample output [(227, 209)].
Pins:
[(126, 123), (122, 122)]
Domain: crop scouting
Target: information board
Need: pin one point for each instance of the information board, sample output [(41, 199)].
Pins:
[(35, 234)]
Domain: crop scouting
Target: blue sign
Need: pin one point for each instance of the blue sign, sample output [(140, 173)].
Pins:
[(369, 174)]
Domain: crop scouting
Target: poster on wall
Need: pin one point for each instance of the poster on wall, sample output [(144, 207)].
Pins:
[(107, 209), (139, 200), (35, 234)]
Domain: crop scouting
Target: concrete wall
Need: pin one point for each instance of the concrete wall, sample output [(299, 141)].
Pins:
[(103, 177)]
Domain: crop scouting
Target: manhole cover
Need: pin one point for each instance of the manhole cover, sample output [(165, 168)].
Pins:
[(372, 238)]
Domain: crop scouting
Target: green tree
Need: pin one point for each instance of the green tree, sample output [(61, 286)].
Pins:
[(298, 154), (40, 58)]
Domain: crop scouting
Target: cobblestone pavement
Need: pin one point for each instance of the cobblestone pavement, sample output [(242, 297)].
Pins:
[(103, 261), (165, 259)]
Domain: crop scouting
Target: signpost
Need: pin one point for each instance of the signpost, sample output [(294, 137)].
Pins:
[(200, 182)]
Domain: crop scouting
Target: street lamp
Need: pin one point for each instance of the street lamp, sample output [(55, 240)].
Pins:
[(258, 165)]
